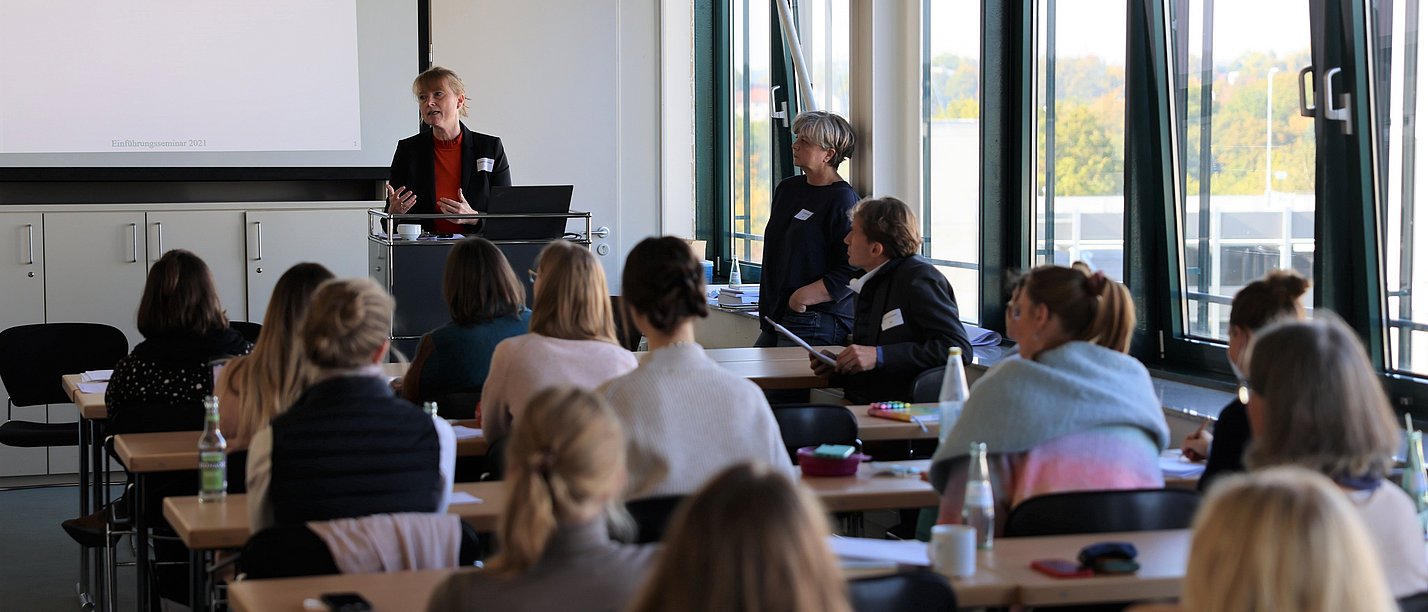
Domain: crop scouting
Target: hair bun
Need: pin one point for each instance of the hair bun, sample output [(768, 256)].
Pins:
[(1096, 282)]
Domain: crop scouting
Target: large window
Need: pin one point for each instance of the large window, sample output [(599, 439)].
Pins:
[(823, 31), (752, 142), (1247, 155), (952, 96), (1079, 208)]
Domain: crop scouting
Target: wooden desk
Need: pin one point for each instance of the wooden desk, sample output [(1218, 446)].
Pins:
[(777, 374), (873, 429), (178, 450), (225, 524), (777, 353), (91, 405), (1003, 578)]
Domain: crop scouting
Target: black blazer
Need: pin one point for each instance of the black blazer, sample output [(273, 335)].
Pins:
[(414, 167), (930, 325)]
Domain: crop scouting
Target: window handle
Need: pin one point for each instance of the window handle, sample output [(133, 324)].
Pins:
[(781, 115), (1306, 106), (1336, 113)]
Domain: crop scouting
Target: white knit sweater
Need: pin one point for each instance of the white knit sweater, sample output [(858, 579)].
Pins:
[(686, 419), (527, 364)]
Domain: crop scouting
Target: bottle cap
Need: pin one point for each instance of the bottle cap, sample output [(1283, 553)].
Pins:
[(956, 350)]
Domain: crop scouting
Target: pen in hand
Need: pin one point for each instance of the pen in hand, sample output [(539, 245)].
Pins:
[(1196, 446)]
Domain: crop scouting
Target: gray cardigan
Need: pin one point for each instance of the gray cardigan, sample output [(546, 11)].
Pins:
[(581, 570)]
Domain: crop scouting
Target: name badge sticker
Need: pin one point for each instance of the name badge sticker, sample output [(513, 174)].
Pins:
[(485, 164), (803, 215), (892, 318)]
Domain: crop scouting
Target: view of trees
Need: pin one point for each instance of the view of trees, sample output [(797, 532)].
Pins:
[(1090, 123)]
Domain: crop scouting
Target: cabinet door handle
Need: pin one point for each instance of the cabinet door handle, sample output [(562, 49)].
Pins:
[(30, 235), (258, 225), (159, 225), (133, 243)]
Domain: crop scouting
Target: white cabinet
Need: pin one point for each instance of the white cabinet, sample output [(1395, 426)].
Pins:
[(279, 239), (22, 302), (95, 267), (216, 236)]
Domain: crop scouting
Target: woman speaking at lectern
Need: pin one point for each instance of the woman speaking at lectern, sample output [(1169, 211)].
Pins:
[(446, 168)]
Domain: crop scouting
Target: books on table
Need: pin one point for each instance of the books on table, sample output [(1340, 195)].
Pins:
[(739, 295)]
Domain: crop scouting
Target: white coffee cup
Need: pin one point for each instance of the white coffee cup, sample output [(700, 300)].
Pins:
[(953, 550), (409, 231)]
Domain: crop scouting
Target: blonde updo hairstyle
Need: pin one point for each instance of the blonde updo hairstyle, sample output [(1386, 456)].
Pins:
[(564, 462), (347, 321)]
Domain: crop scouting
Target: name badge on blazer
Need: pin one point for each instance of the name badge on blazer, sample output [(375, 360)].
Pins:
[(485, 164), (892, 318), (803, 215)]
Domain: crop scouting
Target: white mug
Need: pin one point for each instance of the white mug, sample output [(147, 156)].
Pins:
[(953, 550), (409, 231)]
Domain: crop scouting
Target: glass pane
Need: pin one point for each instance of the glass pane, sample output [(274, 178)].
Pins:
[(1247, 156), (952, 80), (824, 35), (1080, 134), (751, 169), (1400, 52)]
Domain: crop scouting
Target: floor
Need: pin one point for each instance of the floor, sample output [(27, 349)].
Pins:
[(39, 563)]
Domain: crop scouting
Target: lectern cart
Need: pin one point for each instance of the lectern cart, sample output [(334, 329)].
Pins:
[(412, 270)]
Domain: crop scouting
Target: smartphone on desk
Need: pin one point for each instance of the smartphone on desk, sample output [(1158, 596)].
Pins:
[(346, 602), (1061, 568)]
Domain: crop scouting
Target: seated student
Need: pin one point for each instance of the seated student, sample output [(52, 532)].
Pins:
[(1315, 402), (487, 305), (566, 463), (571, 342), (904, 317), (685, 416), (347, 447), (749, 539), (1280, 539), (1269, 299), (253, 389), (161, 384), (1074, 413)]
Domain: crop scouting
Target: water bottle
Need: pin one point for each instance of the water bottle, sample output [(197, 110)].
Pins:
[(212, 456), (978, 509), (1415, 481), (954, 393), (734, 276)]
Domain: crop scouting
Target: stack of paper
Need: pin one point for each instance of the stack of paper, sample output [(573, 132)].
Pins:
[(96, 375), (739, 295), (465, 433), (904, 552)]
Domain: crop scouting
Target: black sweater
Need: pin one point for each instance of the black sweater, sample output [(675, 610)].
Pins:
[(803, 242)]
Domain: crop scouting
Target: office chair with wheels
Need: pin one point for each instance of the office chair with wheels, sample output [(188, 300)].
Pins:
[(803, 425), (916, 591), (1102, 512)]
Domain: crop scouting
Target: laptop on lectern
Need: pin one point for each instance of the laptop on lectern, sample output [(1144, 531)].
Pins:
[(528, 199)]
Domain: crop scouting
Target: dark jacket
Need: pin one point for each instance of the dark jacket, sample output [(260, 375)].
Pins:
[(1227, 452), (160, 386), (803, 242), (928, 326), (414, 167), (349, 448)]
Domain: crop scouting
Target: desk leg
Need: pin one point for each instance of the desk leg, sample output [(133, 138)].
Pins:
[(85, 583), (197, 580), (141, 543), (98, 495)]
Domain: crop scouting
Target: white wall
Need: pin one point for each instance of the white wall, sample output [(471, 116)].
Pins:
[(574, 89)]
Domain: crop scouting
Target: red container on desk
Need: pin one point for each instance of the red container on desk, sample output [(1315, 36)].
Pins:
[(821, 466)]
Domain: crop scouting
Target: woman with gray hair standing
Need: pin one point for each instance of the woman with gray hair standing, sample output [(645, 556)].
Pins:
[(805, 268)]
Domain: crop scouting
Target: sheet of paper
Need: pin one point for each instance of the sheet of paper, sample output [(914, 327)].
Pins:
[(465, 433), (1173, 465), (906, 552), (93, 387), (462, 497), (799, 341), (97, 375)]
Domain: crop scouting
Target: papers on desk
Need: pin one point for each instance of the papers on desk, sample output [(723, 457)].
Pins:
[(799, 341), (904, 552), (466, 433), (739, 295), (96, 376), (981, 337), (1174, 465), (462, 497), (93, 387)]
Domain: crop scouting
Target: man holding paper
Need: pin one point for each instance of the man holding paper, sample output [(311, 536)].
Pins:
[(447, 168), (904, 316)]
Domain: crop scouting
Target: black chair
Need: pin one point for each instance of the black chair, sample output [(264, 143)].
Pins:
[(248, 329), (652, 515), (915, 591), (458, 404), (32, 360), (927, 387), (1102, 512), (1414, 603), (813, 424)]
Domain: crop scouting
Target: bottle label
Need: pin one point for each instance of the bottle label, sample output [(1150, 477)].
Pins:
[(212, 473), (979, 495)]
